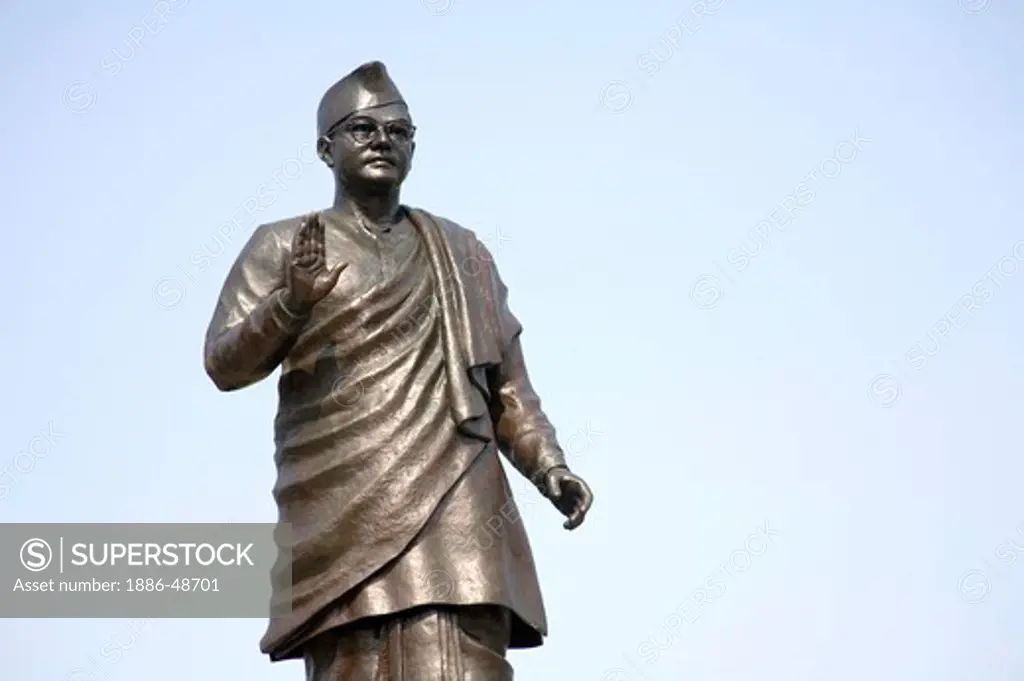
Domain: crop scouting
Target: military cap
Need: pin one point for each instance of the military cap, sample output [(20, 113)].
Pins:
[(366, 87)]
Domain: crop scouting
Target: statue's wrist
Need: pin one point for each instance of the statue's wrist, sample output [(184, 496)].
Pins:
[(290, 307), (550, 457), (288, 318), (551, 469)]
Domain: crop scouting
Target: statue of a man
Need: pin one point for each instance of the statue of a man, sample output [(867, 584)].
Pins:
[(402, 377)]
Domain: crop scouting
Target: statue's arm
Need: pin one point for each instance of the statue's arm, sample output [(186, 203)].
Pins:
[(523, 430), (251, 331)]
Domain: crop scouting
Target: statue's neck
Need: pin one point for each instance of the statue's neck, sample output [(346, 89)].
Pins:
[(378, 209)]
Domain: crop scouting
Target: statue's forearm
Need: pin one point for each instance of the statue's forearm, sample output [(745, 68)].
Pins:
[(523, 430), (247, 352)]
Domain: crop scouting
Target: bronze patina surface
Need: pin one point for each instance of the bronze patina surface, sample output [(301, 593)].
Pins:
[(402, 379)]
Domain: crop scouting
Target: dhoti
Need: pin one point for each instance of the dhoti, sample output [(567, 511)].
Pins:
[(448, 643)]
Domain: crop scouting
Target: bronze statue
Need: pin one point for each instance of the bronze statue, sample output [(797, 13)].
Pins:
[(402, 377)]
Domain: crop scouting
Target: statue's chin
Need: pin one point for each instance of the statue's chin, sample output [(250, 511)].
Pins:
[(376, 180)]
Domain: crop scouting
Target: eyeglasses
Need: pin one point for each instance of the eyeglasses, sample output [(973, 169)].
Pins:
[(364, 129)]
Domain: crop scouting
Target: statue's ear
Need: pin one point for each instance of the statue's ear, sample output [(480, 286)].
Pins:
[(323, 150)]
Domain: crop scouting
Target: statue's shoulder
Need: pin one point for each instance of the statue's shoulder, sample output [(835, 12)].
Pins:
[(270, 241), (271, 238), (279, 229), (453, 231)]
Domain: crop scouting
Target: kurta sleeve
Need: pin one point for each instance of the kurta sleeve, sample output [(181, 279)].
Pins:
[(523, 430), (251, 331)]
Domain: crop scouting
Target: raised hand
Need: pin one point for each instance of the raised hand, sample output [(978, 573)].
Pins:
[(308, 279)]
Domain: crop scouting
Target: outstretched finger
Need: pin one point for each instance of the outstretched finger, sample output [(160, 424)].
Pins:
[(304, 237), (299, 241), (320, 241), (311, 230), (336, 273), (310, 224)]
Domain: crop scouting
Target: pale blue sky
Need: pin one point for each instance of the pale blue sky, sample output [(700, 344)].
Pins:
[(761, 406)]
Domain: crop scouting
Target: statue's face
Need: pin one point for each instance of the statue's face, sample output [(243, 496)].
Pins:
[(371, 149)]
